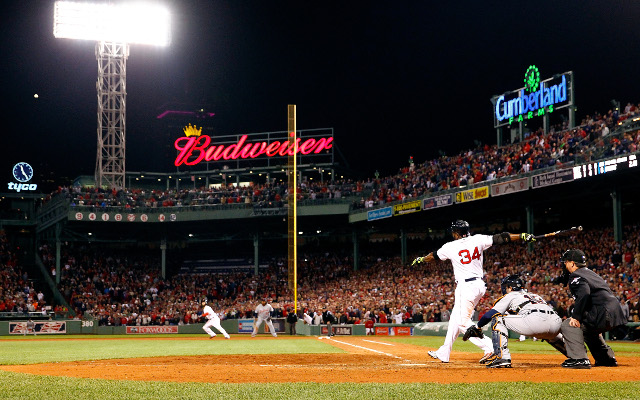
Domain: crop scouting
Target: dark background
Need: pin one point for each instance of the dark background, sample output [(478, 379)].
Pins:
[(395, 79)]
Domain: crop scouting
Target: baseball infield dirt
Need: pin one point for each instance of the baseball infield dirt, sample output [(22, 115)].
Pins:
[(366, 359)]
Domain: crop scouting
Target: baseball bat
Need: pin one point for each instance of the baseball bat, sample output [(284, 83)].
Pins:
[(573, 229)]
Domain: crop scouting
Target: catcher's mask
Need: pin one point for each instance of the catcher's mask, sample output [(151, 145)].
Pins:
[(460, 227), (512, 281)]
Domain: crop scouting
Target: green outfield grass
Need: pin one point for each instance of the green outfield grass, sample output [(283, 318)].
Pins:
[(24, 386), (79, 348), (26, 350)]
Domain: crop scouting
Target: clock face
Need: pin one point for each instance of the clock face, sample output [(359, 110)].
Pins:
[(22, 172)]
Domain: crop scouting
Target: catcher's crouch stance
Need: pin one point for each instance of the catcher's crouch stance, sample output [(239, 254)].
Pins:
[(522, 312)]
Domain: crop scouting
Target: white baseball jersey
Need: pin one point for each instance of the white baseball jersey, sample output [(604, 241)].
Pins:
[(208, 313), (213, 320), (466, 255), (307, 318), (265, 311)]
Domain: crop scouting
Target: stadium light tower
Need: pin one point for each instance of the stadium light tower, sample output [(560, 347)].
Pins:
[(113, 27)]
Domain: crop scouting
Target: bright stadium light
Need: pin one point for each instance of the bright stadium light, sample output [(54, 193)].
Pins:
[(113, 27), (141, 23)]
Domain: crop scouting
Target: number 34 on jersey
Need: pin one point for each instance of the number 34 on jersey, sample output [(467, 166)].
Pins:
[(466, 256)]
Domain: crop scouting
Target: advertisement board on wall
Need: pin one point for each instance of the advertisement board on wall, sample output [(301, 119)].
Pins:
[(516, 185), (437, 201), (478, 193), (38, 328), (142, 330), (407, 208)]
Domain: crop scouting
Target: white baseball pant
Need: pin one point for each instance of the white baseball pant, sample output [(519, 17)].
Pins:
[(467, 296), (269, 324), (215, 322)]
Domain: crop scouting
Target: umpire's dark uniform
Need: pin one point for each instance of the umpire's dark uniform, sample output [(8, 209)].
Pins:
[(329, 319), (597, 310)]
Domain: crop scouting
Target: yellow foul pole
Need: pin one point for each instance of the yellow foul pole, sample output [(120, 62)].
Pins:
[(292, 201)]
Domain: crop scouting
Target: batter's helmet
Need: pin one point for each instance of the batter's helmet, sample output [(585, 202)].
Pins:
[(460, 227), (204, 301), (576, 256), (512, 281)]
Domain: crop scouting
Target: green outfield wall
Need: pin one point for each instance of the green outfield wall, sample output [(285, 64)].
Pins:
[(90, 327)]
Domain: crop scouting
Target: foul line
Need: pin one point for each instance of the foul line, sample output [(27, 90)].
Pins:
[(373, 341), (366, 348)]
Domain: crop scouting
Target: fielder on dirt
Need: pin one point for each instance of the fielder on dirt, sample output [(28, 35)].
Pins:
[(263, 314)]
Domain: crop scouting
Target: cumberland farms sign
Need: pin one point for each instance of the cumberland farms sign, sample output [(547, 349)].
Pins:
[(194, 147)]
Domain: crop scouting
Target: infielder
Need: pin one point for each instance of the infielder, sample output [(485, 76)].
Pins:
[(263, 314), (522, 312), (466, 255), (212, 320)]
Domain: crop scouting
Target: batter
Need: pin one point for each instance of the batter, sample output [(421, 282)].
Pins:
[(466, 255)]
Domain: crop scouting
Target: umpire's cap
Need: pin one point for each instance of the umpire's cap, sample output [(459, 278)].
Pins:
[(460, 227), (576, 256), (512, 281)]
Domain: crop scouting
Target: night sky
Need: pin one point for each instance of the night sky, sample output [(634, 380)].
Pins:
[(395, 79)]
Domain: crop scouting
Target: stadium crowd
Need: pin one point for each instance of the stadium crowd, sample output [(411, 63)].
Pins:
[(128, 290), (537, 150), (17, 293)]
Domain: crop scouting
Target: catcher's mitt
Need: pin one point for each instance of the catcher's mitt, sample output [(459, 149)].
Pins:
[(473, 331)]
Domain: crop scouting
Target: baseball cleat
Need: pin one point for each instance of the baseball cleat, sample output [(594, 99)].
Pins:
[(499, 363), (576, 363), (487, 358), (211, 337), (608, 363), (433, 354)]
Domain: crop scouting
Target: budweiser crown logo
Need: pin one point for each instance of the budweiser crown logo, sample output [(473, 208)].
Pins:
[(192, 130)]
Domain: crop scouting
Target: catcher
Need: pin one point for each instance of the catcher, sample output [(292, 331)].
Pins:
[(522, 312)]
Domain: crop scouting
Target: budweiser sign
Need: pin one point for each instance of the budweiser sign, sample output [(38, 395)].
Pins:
[(193, 149)]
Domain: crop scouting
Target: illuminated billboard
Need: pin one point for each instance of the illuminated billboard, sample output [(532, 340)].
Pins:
[(537, 98)]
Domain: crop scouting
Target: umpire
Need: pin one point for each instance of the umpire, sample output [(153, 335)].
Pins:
[(595, 311)]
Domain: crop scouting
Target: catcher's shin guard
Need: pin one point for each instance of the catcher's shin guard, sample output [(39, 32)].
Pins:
[(500, 336)]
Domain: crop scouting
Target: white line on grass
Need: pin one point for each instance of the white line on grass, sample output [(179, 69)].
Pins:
[(366, 348), (373, 341)]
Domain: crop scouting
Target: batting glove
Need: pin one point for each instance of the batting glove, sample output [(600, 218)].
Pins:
[(417, 261), (527, 237)]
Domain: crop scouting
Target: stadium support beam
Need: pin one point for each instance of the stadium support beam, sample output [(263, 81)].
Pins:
[(356, 249), (530, 225), (163, 260), (617, 214), (58, 252), (403, 246), (256, 253)]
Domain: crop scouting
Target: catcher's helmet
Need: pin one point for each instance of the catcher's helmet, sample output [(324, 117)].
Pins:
[(460, 227), (512, 281), (576, 256)]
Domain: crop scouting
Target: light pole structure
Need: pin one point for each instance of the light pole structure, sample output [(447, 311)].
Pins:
[(113, 27)]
